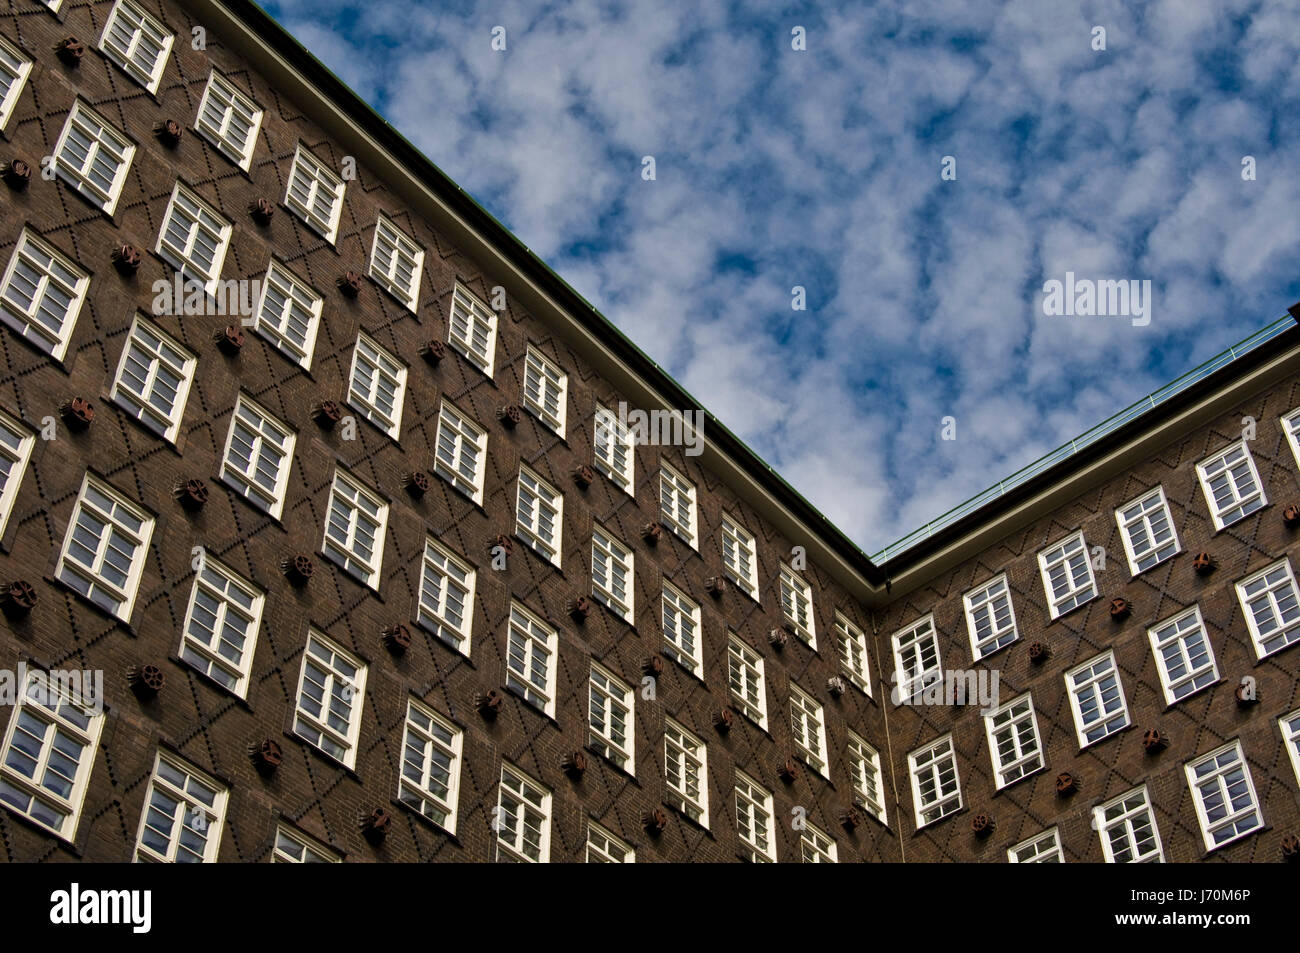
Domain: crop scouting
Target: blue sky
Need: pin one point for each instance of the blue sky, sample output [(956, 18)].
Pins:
[(821, 168)]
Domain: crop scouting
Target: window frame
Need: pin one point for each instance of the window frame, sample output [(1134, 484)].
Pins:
[(613, 841), (545, 810), (453, 750), (796, 601), (821, 845), (212, 828), (1238, 501), (320, 176), (548, 370), (529, 533), (1252, 625), (1102, 828), (21, 72), (858, 751), (1075, 596), (19, 458), (402, 245), (180, 259), (1290, 422), (742, 542), (150, 80), (457, 430), (605, 424), (24, 324), (1040, 856), (343, 554), (396, 376), (609, 557), (1125, 718), (1289, 725), (1167, 632), (808, 730), (243, 670), (911, 686), (691, 661), (465, 641), (946, 804), (1144, 519), (851, 640), (541, 634), (293, 290), (140, 406), (309, 846), (1024, 760), (218, 81), (140, 557), (760, 801), (105, 201), (690, 749), (979, 600), (350, 741), (617, 694), (472, 310), (242, 483), (1217, 774), (751, 669)]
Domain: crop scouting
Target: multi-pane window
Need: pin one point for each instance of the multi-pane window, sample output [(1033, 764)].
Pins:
[(461, 457), (611, 572), (153, 378), (1291, 427), (916, 660), (1224, 795), (538, 514), (745, 676), (47, 757), (523, 819), (1231, 483), (680, 620), (815, 847), (377, 385), (93, 157), (604, 848), (354, 529), (315, 193), (1147, 530), (1013, 740), (104, 549), (194, 238), (754, 820), (220, 632), (14, 70), (990, 617), (808, 725), (614, 448), (936, 786), (472, 329), (42, 294), (288, 313), (677, 504), (138, 43), (229, 120), (396, 262), (868, 784), (184, 811), (16, 444), (1290, 725), (609, 717), (446, 596), (796, 606), (431, 752), (1128, 829), (852, 643), (1183, 654), (259, 450), (738, 557), (292, 847), (1271, 603), (1044, 848), (686, 773), (546, 390), (531, 647), (1097, 698), (331, 689), (1067, 575)]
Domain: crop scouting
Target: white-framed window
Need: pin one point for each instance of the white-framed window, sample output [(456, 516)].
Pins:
[(461, 456), (852, 643), (377, 385), (816, 847), (288, 313), (431, 759), (1147, 529), (990, 617), (1014, 741), (1128, 830), (523, 819), (1290, 726), (1183, 655), (546, 389), (677, 504), (916, 659), (604, 848), (16, 445), (257, 456), (611, 573), (686, 772), (1231, 484), (1067, 575), (105, 547), (609, 718), (396, 262), (472, 329), (868, 781), (315, 194), (538, 514), (229, 120), (93, 157), (1291, 427), (295, 847), (680, 621), (1271, 603), (936, 785), (219, 636), (1097, 699), (331, 691), (754, 820), (184, 812), (745, 677), (614, 449), (808, 725), (14, 70), (446, 596), (796, 606), (153, 378), (138, 43), (355, 525), (531, 649), (1044, 848), (1224, 795), (194, 238), (42, 294), (49, 752), (739, 560)]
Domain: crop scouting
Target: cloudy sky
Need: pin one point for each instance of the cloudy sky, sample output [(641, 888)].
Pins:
[(821, 168)]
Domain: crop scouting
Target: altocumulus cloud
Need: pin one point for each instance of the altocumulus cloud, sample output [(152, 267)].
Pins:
[(821, 168)]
